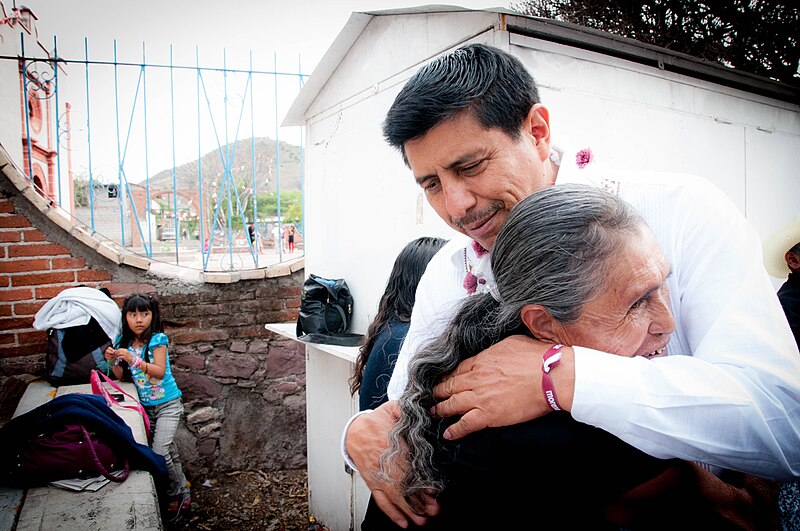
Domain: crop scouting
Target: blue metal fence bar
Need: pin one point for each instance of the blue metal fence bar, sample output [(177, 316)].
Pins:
[(174, 162), (122, 177), (302, 164), (278, 165), (124, 189), (119, 150), (227, 187), (214, 220), (240, 208), (148, 247), (227, 162), (58, 123), (254, 186), (230, 189), (25, 83), (152, 65), (89, 134), (142, 82), (206, 251)]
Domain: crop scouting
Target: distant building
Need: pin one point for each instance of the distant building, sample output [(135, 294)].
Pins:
[(28, 132)]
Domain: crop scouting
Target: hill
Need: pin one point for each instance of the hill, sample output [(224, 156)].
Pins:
[(186, 174)]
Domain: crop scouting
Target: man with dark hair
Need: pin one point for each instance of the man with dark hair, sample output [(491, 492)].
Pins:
[(789, 293), (781, 258), (471, 128)]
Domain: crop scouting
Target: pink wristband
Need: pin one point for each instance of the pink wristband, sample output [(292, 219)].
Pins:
[(550, 359)]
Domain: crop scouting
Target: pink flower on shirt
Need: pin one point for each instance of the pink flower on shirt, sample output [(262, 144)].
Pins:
[(478, 248), (474, 280), (583, 157), (470, 283)]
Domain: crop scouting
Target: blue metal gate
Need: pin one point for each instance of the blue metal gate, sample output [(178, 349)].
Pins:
[(136, 117)]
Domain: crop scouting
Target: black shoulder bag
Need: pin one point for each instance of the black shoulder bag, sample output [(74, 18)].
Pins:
[(326, 307)]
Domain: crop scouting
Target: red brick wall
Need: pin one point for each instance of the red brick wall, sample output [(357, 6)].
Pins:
[(32, 271)]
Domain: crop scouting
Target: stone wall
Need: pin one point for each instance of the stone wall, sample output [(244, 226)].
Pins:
[(244, 387)]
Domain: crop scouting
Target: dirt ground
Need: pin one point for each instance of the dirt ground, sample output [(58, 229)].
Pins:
[(250, 501)]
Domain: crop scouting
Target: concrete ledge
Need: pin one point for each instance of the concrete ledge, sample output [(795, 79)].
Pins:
[(132, 504), (213, 277), (59, 219), (10, 504), (279, 270), (14, 174), (84, 237), (30, 193), (109, 252), (253, 274), (137, 261)]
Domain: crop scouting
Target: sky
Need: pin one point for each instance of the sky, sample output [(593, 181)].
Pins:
[(283, 36), (290, 28)]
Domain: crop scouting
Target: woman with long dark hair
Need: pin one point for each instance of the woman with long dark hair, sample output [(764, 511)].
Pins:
[(385, 334)]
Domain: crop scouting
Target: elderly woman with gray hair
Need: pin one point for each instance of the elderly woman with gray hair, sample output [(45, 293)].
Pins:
[(575, 266)]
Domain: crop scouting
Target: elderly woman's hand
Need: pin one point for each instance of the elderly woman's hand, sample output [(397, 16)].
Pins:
[(502, 386)]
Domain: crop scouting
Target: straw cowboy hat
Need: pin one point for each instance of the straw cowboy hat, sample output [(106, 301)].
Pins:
[(777, 244)]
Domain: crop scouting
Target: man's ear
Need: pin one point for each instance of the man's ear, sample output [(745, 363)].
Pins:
[(792, 260), (537, 129), (539, 321)]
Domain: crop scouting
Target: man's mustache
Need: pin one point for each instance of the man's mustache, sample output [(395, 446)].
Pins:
[(472, 217)]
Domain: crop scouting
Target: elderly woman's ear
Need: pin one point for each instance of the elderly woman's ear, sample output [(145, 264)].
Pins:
[(541, 324)]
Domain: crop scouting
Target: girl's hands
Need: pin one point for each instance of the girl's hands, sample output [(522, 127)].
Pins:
[(119, 354), (124, 355)]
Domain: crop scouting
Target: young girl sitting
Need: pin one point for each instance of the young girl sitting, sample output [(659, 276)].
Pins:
[(142, 347)]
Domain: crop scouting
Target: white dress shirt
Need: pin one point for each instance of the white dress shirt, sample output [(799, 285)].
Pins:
[(728, 393)]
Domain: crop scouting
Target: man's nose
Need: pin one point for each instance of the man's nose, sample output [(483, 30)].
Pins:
[(458, 198), (662, 321)]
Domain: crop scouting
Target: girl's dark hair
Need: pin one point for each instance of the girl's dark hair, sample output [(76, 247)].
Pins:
[(398, 298), (139, 302)]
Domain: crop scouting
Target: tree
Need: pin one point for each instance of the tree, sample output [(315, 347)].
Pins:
[(756, 36), (80, 190), (291, 205)]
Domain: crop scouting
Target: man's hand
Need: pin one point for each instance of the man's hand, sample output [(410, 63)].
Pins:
[(366, 440), (502, 386)]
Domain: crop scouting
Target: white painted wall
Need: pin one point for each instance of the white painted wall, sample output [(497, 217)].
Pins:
[(639, 117)]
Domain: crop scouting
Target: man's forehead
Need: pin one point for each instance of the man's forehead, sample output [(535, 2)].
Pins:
[(448, 142), (444, 160)]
